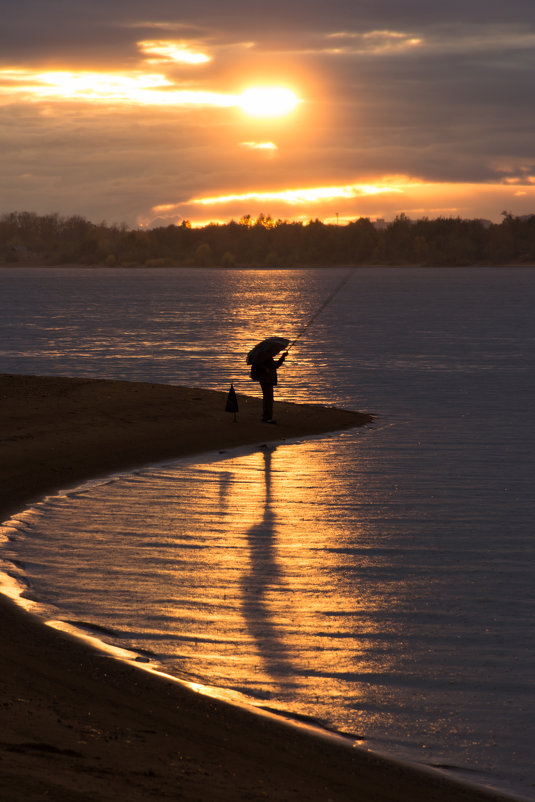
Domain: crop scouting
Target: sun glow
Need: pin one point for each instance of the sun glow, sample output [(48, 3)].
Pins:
[(265, 101), (140, 88)]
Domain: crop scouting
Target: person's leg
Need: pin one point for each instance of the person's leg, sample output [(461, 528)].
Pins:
[(267, 401)]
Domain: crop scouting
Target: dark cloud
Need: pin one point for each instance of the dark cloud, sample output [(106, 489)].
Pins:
[(61, 21)]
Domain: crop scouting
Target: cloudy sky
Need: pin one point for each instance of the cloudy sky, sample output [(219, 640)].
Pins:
[(135, 112)]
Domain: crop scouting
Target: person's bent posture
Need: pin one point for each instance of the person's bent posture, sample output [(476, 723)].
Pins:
[(264, 370)]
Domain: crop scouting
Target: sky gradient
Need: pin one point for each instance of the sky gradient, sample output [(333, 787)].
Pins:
[(148, 113)]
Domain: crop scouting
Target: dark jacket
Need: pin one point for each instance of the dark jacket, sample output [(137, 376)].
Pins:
[(265, 371)]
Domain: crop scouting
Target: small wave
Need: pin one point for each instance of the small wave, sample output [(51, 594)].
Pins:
[(89, 626)]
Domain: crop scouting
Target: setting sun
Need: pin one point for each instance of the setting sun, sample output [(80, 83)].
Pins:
[(268, 101)]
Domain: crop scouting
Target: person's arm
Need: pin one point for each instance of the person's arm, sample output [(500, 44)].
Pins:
[(281, 360)]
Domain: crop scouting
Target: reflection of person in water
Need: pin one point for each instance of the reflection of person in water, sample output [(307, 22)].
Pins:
[(264, 590), (264, 370)]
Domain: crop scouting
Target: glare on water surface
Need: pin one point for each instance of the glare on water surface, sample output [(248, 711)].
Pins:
[(274, 575), (380, 580)]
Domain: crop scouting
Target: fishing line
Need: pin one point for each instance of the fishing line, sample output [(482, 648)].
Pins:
[(326, 302)]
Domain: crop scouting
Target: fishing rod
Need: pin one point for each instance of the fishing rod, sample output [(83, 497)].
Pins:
[(326, 302), (232, 403)]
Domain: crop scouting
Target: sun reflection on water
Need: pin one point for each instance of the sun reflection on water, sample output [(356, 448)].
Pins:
[(291, 574), (227, 572)]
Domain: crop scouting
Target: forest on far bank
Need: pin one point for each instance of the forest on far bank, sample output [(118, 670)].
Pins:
[(27, 238)]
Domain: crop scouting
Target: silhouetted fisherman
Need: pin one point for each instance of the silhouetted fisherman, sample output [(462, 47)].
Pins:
[(263, 365), (264, 370)]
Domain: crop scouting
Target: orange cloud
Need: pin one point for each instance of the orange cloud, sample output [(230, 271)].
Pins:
[(386, 198), (259, 145), (174, 51), (298, 196), (377, 41), (133, 87)]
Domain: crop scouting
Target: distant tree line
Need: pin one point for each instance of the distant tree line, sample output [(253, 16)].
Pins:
[(28, 238)]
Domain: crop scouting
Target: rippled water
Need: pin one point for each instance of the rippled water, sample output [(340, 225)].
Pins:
[(380, 580)]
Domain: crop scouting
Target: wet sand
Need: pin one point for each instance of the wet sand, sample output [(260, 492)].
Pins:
[(77, 724)]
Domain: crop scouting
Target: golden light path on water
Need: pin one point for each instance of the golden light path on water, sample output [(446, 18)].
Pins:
[(267, 574), (233, 560)]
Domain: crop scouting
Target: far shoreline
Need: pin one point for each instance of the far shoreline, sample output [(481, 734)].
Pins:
[(264, 268)]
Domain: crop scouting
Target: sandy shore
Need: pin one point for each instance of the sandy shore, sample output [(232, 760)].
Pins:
[(78, 725)]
